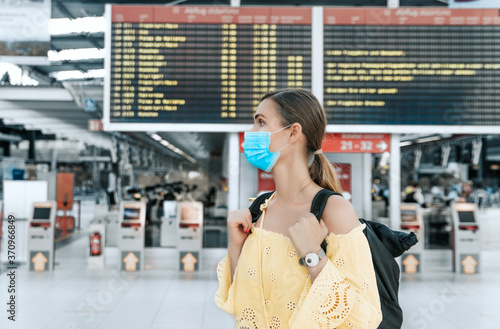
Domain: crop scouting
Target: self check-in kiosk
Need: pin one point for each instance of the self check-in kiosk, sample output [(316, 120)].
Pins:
[(131, 236), (465, 238), (412, 221), (41, 232), (169, 224), (190, 235)]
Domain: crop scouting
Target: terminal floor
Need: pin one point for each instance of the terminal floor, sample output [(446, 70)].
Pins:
[(75, 297)]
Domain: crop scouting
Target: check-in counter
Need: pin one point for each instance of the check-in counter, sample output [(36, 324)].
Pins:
[(412, 221), (131, 235), (41, 234), (466, 242)]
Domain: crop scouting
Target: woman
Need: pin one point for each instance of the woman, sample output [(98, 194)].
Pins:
[(260, 280)]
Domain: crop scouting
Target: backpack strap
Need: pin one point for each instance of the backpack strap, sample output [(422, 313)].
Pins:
[(255, 206), (318, 206), (319, 202)]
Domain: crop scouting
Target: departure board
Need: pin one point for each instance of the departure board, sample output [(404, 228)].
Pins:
[(185, 64), (412, 66)]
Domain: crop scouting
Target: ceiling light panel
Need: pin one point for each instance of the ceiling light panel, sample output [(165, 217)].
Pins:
[(78, 75), (60, 26), (75, 54)]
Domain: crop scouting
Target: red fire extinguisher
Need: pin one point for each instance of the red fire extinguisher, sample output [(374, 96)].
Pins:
[(95, 244)]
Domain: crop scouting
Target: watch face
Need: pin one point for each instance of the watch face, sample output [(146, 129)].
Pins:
[(312, 260)]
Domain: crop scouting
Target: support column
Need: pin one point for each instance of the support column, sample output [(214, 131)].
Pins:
[(482, 159), (31, 150), (53, 162), (317, 54), (395, 183), (95, 167), (367, 186), (233, 195)]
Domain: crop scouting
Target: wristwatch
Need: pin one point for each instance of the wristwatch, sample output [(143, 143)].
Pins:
[(312, 259)]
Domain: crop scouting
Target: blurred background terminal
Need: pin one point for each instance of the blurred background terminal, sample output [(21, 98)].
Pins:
[(121, 130)]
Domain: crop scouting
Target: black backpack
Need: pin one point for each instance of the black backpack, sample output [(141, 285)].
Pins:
[(385, 245)]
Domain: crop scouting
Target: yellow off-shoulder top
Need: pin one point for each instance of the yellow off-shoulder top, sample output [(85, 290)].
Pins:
[(278, 294)]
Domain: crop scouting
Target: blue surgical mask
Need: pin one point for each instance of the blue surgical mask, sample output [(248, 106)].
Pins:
[(256, 145)]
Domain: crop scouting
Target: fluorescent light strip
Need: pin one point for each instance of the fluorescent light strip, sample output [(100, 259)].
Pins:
[(156, 137), (428, 139), (402, 144), (171, 147), (75, 54), (61, 26), (78, 75)]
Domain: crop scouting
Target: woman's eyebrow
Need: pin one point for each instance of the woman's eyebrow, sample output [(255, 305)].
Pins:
[(259, 115)]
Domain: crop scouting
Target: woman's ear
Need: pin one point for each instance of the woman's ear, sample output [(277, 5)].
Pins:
[(295, 132)]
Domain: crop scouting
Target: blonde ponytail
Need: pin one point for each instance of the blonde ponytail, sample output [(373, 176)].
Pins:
[(323, 173)]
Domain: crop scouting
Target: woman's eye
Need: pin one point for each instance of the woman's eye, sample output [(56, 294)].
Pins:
[(261, 123)]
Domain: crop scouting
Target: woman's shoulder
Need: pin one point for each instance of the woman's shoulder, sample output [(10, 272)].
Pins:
[(339, 215)]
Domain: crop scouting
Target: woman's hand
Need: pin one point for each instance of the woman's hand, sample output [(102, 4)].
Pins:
[(307, 234), (239, 223)]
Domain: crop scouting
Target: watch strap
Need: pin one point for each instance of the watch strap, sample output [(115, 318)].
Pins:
[(321, 254)]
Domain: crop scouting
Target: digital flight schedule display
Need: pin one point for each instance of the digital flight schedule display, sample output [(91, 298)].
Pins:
[(184, 64), (419, 66)]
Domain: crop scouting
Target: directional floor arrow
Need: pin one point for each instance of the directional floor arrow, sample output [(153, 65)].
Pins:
[(189, 260), (410, 263), (39, 261), (130, 261), (469, 264)]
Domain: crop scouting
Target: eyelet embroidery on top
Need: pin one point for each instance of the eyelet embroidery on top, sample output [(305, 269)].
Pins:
[(267, 250), (364, 286), (251, 271), (243, 323), (292, 253), (336, 305), (219, 299), (340, 262), (275, 323), (247, 320), (273, 277), (248, 314), (290, 306), (220, 270)]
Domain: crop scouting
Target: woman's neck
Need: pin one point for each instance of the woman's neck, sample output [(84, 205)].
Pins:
[(292, 181)]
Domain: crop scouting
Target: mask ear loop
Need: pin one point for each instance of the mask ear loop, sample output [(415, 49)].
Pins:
[(282, 147), (263, 208), (279, 131)]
